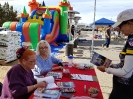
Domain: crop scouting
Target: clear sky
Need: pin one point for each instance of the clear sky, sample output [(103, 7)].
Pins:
[(104, 8)]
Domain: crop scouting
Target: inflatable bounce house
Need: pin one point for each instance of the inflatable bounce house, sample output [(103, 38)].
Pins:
[(43, 23)]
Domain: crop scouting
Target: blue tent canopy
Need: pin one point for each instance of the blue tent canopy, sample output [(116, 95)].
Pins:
[(104, 21)]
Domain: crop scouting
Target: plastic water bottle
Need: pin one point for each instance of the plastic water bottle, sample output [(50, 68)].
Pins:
[(70, 61)]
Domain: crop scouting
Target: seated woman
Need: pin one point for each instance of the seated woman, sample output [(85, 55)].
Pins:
[(19, 82), (44, 59)]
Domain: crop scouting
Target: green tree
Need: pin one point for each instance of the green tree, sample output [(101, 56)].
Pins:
[(7, 13), (1, 14)]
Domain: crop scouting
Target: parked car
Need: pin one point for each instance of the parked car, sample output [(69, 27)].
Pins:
[(89, 28)]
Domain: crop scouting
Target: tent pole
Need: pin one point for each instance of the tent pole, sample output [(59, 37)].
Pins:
[(92, 49)]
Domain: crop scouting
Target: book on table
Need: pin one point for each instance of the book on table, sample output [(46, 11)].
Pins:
[(67, 90), (56, 75), (66, 86), (100, 60), (49, 80), (46, 94)]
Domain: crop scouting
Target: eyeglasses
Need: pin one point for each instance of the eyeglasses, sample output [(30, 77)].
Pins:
[(43, 48)]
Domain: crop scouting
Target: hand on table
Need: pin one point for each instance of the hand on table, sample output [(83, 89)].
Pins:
[(60, 67), (101, 68)]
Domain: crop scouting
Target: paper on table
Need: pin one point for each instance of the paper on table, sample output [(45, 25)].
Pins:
[(49, 80), (82, 77), (51, 86), (86, 77)]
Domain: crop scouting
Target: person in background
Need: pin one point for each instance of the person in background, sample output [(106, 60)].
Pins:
[(107, 37), (72, 30), (123, 71), (97, 30), (119, 33), (19, 82), (45, 61)]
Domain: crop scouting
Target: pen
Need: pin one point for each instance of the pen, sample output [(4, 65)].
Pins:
[(79, 77)]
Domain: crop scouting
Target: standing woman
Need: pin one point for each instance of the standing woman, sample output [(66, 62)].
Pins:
[(123, 71), (19, 83), (45, 61)]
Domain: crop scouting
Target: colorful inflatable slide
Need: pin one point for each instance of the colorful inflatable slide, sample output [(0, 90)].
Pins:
[(44, 23)]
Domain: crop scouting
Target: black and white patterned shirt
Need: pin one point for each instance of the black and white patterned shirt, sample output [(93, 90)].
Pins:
[(124, 69)]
